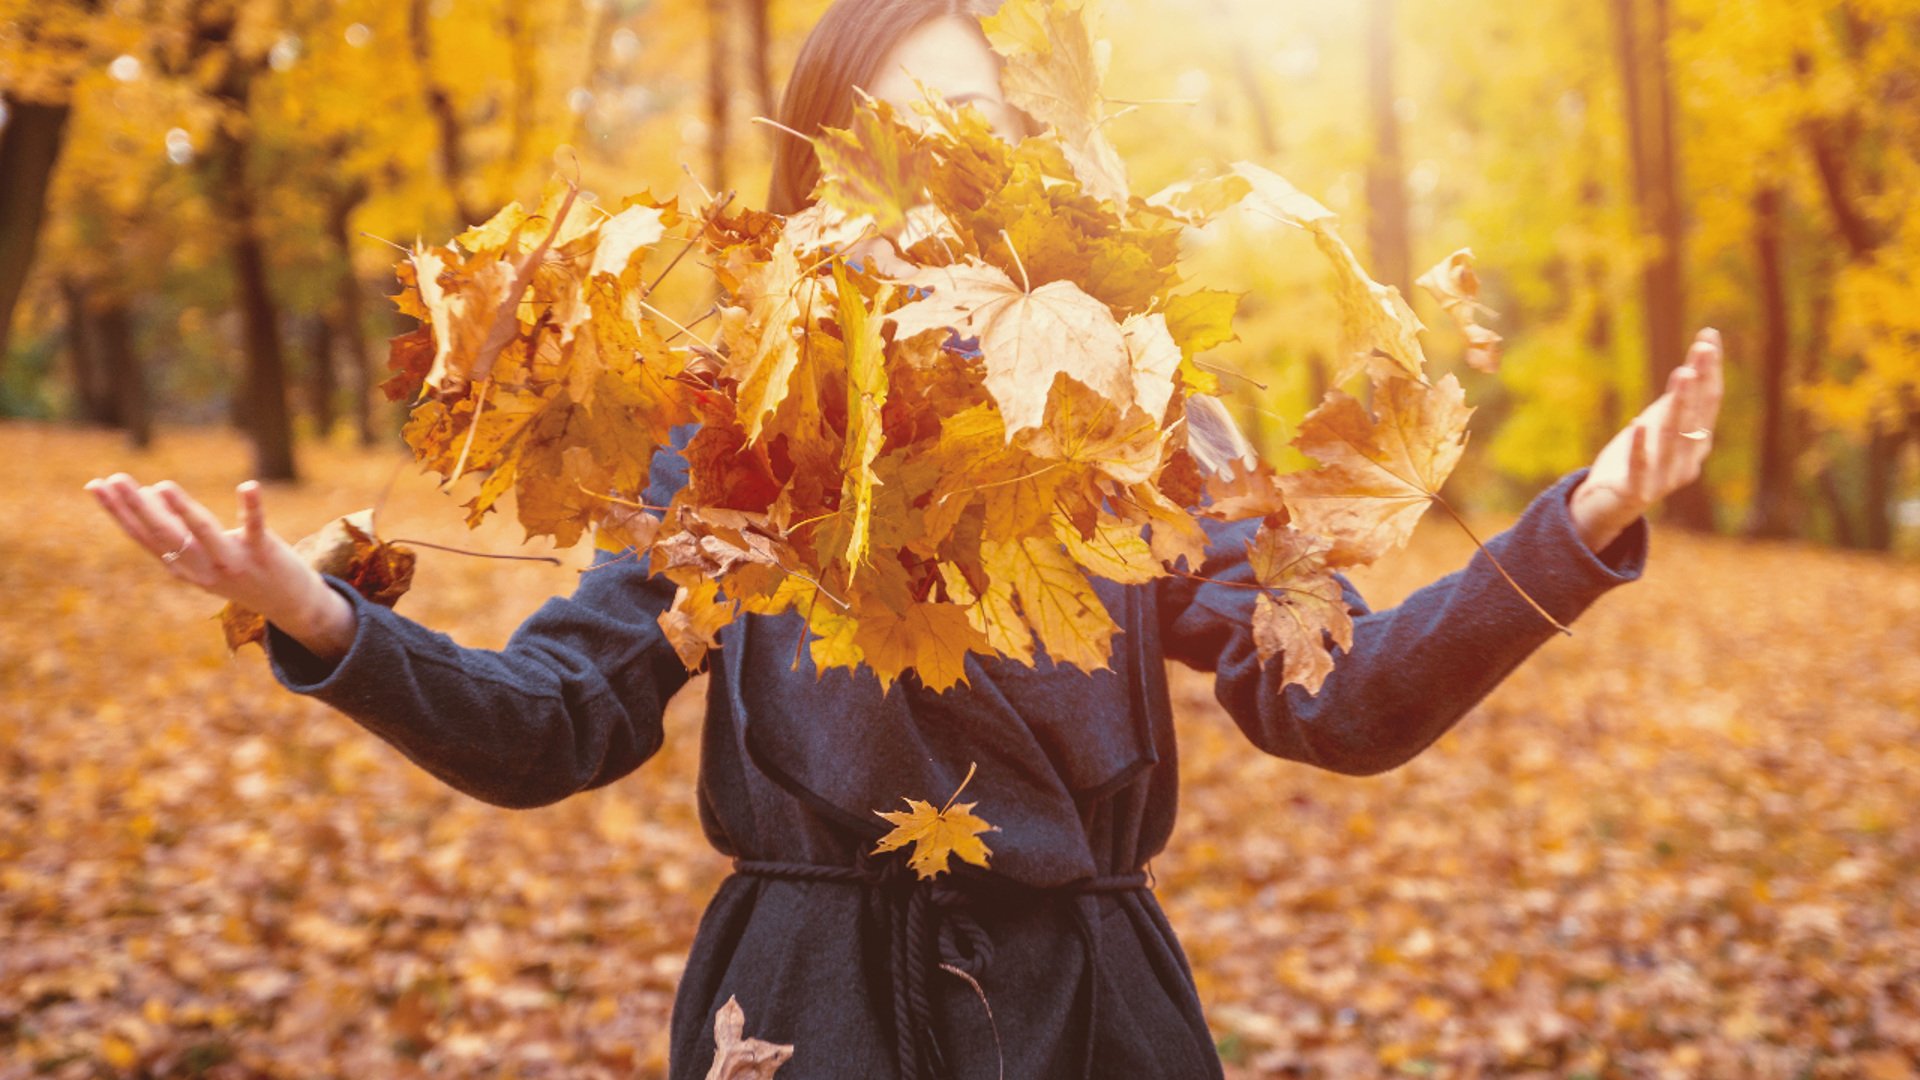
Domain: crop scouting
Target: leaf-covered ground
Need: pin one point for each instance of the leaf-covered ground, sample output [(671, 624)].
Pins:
[(1679, 843)]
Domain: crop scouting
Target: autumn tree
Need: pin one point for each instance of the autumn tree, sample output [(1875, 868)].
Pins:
[(1646, 78)]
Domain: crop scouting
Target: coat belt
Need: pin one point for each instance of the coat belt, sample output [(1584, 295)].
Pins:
[(933, 930)]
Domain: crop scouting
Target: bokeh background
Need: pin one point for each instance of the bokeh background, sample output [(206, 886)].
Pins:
[(194, 187), (1678, 844)]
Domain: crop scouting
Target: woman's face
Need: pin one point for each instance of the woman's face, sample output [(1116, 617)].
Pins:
[(951, 57)]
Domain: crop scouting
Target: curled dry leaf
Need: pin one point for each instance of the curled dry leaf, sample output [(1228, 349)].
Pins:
[(347, 549), (1456, 286), (736, 1057)]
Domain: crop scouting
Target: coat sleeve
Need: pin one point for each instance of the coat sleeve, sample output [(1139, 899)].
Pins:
[(1414, 669), (573, 702)]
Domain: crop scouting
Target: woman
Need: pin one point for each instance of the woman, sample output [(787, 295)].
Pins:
[(865, 971)]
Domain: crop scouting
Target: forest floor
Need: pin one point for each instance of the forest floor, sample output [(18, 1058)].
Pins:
[(1682, 842)]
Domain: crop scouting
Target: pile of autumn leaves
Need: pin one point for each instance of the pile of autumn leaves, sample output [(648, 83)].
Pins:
[(929, 462)]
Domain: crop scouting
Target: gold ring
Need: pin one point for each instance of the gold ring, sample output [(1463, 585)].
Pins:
[(170, 556), (1696, 433)]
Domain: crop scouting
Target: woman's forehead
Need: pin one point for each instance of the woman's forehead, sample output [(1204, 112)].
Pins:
[(949, 56)]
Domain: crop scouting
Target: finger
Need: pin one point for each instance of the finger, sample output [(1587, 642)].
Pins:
[(1704, 406), (1713, 367), (206, 528), (253, 513), (1689, 401), (1637, 459), (164, 529), (1671, 418), (106, 493)]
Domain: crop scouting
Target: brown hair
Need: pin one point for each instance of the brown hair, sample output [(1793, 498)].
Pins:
[(843, 51)]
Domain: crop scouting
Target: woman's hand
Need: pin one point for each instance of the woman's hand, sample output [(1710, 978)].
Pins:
[(249, 565), (1656, 455)]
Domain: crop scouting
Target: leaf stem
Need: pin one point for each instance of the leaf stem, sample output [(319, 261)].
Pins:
[(1025, 281), (711, 312), (548, 559), (617, 499), (1224, 370), (473, 428), (778, 126), (972, 767), (675, 323), (1531, 602)]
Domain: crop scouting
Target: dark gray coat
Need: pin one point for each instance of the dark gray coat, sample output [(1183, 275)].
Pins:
[(839, 953)]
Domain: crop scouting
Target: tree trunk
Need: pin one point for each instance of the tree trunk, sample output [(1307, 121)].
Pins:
[(760, 60), (1647, 85), (264, 394), (719, 89), (1388, 235), (349, 316), (322, 386), (360, 362), (113, 333), (523, 53), (1844, 533), (1883, 459), (29, 148), (92, 394), (1775, 510), (446, 120)]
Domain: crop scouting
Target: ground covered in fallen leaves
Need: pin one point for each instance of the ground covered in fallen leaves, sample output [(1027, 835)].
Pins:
[(1680, 843)]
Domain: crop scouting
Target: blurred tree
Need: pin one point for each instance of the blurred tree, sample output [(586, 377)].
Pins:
[(450, 133), (29, 146), (1389, 240), (1641, 35), (719, 94), (1863, 138)]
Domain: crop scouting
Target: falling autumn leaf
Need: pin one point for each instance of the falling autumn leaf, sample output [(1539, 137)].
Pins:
[(1379, 471), (938, 836), (1456, 286), (925, 463)]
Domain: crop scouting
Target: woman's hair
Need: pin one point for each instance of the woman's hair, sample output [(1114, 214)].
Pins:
[(844, 51)]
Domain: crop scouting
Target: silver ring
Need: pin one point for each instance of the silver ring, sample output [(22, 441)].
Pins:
[(170, 556), (1696, 433)]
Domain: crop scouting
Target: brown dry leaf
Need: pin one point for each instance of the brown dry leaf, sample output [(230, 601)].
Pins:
[(693, 623), (876, 168), (1302, 603), (344, 548), (1454, 284), (938, 836), (1053, 68), (1378, 473), (736, 1057)]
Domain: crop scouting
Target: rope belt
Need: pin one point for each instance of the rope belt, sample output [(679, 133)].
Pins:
[(933, 930)]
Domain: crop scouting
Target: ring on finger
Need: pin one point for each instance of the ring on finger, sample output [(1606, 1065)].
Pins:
[(170, 557), (1696, 434)]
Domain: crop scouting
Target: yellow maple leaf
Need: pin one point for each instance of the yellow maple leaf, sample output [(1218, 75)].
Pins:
[(938, 835), (1027, 336)]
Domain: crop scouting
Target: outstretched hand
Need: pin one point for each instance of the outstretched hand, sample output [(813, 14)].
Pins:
[(1659, 453), (249, 565)]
